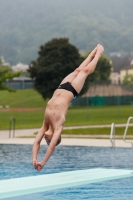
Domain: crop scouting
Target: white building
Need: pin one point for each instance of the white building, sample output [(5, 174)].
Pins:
[(117, 64), (20, 67)]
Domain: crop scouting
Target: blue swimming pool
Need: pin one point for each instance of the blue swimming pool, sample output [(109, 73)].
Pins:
[(15, 161)]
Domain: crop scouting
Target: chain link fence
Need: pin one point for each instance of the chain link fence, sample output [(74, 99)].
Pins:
[(100, 94)]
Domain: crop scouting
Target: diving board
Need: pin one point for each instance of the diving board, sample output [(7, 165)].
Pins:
[(42, 183)]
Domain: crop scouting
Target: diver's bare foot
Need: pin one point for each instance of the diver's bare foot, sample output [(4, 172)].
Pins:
[(100, 49)]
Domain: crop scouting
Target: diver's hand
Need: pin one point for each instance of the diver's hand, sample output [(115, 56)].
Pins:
[(39, 166)]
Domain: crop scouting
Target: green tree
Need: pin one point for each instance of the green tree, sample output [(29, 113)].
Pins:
[(57, 58), (128, 81), (6, 73), (100, 75)]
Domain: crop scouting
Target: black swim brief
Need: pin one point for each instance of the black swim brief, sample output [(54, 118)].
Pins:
[(69, 87)]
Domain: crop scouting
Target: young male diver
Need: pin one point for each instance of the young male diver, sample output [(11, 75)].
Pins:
[(57, 106)]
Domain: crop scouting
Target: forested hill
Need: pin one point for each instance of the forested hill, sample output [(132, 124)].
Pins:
[(27, 24)]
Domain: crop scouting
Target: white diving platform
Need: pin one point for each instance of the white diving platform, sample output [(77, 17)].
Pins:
[(47, 182)]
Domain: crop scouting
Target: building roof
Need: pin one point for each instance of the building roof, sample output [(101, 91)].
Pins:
[(129, 65), (119, 63)]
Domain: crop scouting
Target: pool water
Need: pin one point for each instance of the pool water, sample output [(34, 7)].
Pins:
[(16, 161)]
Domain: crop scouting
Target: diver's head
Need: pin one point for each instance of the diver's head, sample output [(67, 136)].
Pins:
[(48, 137), (58, 142)]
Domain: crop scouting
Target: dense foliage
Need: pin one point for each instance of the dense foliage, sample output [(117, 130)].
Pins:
[(128, 81), (25, 25), (56, 59), (6, 73)]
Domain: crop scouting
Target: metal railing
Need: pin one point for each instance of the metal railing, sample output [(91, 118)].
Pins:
[(12, 124), (126, 129), (112, 135)]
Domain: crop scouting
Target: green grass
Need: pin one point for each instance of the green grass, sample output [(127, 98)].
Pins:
[(98, 115), (24, 119), (98, 131), (22, 98), (76, 115)]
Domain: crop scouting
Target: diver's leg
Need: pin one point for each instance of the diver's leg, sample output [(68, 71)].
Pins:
[(88, 59), (78, 82), (70, 77), (84, 64)]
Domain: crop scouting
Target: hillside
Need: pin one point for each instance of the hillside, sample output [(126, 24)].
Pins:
[(25, 25)]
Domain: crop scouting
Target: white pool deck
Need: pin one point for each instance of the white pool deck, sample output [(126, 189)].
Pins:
[(68, 142), (73, 140)]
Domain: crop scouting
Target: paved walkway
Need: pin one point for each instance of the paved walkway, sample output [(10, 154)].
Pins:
[(18, 132), (78, 140), (69, 142)]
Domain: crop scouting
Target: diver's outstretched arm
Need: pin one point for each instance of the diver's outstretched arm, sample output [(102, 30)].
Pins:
[(51, 147)]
